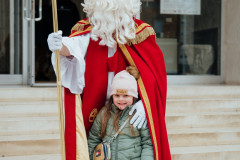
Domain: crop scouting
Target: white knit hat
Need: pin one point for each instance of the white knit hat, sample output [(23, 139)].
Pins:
[(124, 83)]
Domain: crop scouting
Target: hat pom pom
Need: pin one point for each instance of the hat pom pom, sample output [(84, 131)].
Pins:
[(133, 71)]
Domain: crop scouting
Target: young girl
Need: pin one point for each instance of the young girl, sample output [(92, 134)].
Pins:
[(131, 143)]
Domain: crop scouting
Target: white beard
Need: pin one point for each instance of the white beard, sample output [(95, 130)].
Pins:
[(112, 20)]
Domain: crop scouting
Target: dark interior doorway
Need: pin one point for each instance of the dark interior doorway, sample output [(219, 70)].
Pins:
[(69, 12)]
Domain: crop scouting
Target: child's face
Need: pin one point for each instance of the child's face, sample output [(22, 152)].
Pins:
[(122, 101)]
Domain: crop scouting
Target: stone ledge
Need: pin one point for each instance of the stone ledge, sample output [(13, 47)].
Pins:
[(205, 149), (202, 105), (203, 92), (26, 94)]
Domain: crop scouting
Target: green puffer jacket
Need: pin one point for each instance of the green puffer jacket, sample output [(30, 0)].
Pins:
[(125, 146)]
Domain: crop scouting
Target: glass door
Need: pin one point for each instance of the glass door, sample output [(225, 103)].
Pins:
[(33, 40), (10, 43), (38, 22)]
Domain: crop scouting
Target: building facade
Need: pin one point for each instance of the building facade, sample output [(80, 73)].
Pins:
[(199, 39)]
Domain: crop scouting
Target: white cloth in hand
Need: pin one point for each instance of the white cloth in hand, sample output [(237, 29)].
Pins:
[(139, 119), (55, 41)]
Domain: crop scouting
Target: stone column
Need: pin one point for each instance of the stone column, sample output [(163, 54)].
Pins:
[(231, 41)]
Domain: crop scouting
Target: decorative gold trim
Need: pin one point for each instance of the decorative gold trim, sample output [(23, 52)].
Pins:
[(81, 137), (93, 115), (142, 32), (144, 95), (79, 32), (143, 35), (79, 26), (84, 21), (139, 28)]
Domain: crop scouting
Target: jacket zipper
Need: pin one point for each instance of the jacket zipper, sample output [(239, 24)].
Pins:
[(116, 155)]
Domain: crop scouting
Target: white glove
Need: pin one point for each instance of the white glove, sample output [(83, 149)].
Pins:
[(139, 119), (55, 41)]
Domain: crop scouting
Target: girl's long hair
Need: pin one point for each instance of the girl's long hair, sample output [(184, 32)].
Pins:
[(116, 116)]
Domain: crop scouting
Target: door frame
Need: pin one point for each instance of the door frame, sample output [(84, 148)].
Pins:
[(29, 42), (11, 78)]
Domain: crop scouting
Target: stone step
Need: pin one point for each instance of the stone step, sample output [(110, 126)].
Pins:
[(202, 105), (203, 92), (27, 137), (47, 108), (201, 120), (29, 109), (28, 94), (174, 92), (25, 125), (28, 125), (30, 147), (215, 155), (177, 138), (216, 152), (17, 145), (34, 157), (204, 136)]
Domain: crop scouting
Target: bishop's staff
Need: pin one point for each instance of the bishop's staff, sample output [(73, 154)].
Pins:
[(59, 87)]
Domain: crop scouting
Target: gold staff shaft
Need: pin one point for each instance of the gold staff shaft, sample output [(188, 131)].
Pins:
[(59, 87)]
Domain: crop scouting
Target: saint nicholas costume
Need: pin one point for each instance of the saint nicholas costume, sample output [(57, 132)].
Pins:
[(142, 52)]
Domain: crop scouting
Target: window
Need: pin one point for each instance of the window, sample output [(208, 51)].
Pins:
[(190, 43)]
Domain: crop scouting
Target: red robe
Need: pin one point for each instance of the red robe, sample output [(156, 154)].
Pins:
[(142, 52)]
